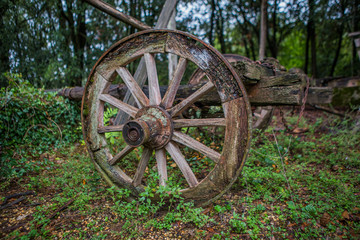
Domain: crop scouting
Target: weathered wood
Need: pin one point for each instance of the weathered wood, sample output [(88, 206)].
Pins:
[(173, 59), (188, 141), (319, 95), (338, 82), (145, 157), (207, 122), (227, 86), (184, 167), (141, 74), (154, 89), (118, 157), (174, 83), (107, 8), (286, 95), (263, 116), (105, 129), (177, 109), (263, 87), (160, 157), (134, 88), (119, 104)]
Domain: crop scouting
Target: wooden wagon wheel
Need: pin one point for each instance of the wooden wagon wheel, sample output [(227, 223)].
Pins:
[(154, 122), (261, 115)]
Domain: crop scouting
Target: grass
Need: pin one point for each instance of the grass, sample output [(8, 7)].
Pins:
[(303, 186)]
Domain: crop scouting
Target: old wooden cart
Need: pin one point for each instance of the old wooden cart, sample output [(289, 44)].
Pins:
[(158, 132)]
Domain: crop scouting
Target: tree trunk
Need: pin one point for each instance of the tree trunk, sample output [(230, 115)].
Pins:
[(81, 42), (263, 30), (274, 46), (4, 51), (337, 53), (212, 19), (220, 29), (307, 44), (312, 35)]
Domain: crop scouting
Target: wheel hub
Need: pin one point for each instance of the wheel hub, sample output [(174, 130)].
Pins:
[(151, 127)]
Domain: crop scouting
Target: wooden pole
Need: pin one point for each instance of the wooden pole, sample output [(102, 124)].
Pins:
[(105, 7), (140, 74), (173, 60)]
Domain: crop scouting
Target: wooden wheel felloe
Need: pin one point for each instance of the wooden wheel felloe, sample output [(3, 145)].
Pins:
[(155, 129)]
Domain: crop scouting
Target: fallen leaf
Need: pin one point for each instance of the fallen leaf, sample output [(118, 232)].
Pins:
[(304, 225), (325, 219), (335, 168), (345, 215), (291, 225), (300, 130)]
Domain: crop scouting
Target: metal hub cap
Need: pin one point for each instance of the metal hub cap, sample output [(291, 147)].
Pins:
[(152, 127)]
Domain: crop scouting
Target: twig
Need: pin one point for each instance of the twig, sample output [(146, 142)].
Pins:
[(328, 110), (57, 127), (13, 203), (16, 195), (59, 210), (28, 205), (37, 125)]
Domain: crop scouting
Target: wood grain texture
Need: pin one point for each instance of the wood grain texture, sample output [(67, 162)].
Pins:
[(188, 141), (107, 8), (178, 157), (134, 88), (124, 52), (160, 157), (320, 95), (174, 84), (177, 109), (206, 122), (154, 89), (236, 152), (106, 129), (145, 157), (140, 73), (118, 157), (119, 104)]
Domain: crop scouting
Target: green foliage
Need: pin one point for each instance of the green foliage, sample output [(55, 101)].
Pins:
[(286, 187), (33, 118), (237, 224)]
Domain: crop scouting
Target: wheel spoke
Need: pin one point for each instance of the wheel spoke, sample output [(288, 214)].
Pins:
[(174, 84), (133, 86), (154, 89), (178, 157), (188, 141), (121, 155), (106, 129), (119, 104), (146, 154), (177, 109), (161, 166), (180, 123)]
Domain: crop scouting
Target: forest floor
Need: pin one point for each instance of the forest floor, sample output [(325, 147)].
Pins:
[(293, 186)]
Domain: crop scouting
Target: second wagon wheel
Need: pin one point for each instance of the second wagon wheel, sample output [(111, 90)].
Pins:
[(154, 139)]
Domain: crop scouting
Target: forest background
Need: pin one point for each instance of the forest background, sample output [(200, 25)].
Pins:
[(55, 43)]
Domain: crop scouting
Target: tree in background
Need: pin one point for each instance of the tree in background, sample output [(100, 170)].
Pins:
[(55, 43)]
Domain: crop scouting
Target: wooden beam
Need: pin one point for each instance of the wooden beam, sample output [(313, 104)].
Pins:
[(107, 8)]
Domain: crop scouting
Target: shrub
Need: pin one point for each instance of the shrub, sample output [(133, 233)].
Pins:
[(32, 121)]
